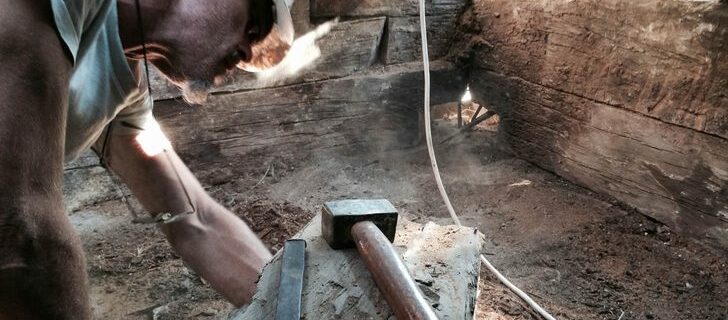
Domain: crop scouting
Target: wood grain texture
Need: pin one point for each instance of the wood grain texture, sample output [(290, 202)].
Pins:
[(337, 284), (404, 41), (665, 60), (368, 112), (677, 175), (301, 15), (402, 36), (626, 98), (86, 183), (368, 8)]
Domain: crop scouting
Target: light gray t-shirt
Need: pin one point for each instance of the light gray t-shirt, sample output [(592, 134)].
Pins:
[(103, 90)]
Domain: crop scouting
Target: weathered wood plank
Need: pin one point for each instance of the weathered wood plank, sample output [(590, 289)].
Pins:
[(301, 15), (403, 27), (370, 112), (674, 174), (85, 183), (351, 46), (403, 37), (444, 260), (368, 8), (237, 132), (86, 186), (665, 60)]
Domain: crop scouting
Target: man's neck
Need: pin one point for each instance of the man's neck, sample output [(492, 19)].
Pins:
[(131, 30)]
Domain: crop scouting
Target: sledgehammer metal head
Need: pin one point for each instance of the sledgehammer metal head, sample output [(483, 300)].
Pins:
[(370, 226), (339, 216)]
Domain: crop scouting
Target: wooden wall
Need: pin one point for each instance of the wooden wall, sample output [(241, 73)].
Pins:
[(627, 98)]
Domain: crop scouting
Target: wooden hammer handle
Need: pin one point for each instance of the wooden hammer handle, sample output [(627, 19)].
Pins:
[(390, 274)]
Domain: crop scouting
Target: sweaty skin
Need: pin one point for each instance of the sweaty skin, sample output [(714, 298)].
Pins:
[(42, 268)]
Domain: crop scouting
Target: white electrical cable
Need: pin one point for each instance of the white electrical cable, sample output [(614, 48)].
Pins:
[(438, 179), (428, 127)]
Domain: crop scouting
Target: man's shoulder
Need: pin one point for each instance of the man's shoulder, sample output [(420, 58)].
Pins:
[(79, 21)]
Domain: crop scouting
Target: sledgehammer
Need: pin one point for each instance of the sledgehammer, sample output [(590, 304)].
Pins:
[(370, 225)]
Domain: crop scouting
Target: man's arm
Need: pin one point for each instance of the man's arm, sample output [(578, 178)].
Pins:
[(42, 270), (213, 242)]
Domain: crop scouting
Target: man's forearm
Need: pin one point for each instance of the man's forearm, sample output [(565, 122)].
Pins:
[(212, 241)]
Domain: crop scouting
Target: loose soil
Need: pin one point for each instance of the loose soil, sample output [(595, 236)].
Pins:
[(582, 256)]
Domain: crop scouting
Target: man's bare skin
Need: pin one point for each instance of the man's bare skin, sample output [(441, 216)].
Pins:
[(42, 268), (213, 242)]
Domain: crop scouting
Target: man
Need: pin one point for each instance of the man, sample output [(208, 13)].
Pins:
[(70, 80)]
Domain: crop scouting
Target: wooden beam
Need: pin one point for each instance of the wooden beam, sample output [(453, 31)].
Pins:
[(334, 8), (372, 111), (625, 98), (667, 61), (677, 175), (404, 41)]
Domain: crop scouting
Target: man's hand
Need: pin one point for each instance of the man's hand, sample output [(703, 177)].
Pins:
[(213, 242)]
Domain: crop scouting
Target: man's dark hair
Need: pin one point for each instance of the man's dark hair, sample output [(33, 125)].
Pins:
[(262, 13)]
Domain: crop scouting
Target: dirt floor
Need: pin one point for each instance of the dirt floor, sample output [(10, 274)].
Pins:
[(580, 255)]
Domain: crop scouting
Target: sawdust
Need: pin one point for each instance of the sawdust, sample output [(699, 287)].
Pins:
[(273, 222)]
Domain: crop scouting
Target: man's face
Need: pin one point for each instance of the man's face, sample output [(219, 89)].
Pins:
[(201, 40)]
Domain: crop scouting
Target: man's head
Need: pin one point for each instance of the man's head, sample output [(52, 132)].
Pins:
[(196, 42)]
